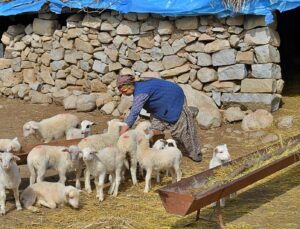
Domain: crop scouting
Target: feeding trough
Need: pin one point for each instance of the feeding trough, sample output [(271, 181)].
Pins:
[(195, 192), (26, 149)]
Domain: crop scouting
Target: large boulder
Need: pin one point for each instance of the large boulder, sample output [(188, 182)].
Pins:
[(285, 122), (86, 103), (109, 107), (260, 119), (59, 96), (233, 114), (39, 98), (252, 101), (44, 27), (209, 115), (70, 102), (125, 104)]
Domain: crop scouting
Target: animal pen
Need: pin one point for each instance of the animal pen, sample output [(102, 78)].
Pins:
[(195, 192)]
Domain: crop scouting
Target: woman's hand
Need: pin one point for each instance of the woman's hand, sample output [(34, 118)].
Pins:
[(123, 129)]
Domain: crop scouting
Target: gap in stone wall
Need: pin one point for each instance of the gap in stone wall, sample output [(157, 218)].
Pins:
[(288, 28)]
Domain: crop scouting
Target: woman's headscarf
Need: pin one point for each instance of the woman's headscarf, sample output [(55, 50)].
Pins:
[(125, 79)]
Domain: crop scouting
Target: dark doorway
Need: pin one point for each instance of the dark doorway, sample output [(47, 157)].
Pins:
[(288, 28)]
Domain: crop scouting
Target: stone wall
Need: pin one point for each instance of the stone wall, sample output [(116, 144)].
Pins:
[(234, 61)]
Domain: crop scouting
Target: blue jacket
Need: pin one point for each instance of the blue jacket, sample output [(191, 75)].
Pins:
[(165, 100)]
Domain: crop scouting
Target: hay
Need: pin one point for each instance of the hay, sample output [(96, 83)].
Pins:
[(267, 203)]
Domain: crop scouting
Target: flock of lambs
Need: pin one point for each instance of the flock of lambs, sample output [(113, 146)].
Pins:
[(102, 154)]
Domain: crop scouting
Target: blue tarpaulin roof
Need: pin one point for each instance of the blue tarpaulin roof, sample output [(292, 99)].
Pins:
[(163, 7)]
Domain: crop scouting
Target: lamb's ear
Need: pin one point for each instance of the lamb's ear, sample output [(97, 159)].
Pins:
[(139, 139), (35, 125), (9, 148), (16, 158), (15, 139), (215, 151), (122, 123), (80, 155)]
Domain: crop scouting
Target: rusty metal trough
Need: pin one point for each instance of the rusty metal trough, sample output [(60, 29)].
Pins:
[(178, 199)]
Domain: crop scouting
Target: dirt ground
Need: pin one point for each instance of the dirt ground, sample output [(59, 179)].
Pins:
[(271, 203)]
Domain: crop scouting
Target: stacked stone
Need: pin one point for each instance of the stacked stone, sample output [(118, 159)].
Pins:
[(233, 60)]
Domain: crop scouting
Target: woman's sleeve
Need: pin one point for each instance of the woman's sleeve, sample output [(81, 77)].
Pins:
[(137, 106)]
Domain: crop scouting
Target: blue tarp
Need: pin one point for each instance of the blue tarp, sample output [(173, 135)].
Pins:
[(163, 7)]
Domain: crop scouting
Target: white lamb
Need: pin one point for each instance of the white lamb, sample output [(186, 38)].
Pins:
[(162, 144), (84, 131), (50, 195), (127, 144), (220, 156), (106, 161), (156, 160), (9, 179), (10, 145), (51, 128), (100, 141), (60, 158)]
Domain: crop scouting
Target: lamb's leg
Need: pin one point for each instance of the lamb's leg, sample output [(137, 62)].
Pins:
[(172, 171), (32, 174), (148, 180), (222, 202), (112, 183), (158, 177), (101, 185), (17, 199), (41, 174), (178, 172), (167, 173), (62, 176), (96, 182), (117, 180), (47, 203), (2, 201), (78, 174), (133, 171), (87, 182)]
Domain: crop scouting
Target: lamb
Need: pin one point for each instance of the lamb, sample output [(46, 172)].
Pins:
[(83, 132), (220, 156), (51, 128), (127, 144), (10, 145), (152, 159), (162, 144), (100, 141), (50, 195), (60, 158), (106, 161), (9, 179)]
